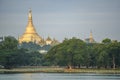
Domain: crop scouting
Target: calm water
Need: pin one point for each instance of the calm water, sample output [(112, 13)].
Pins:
[(59, 76)]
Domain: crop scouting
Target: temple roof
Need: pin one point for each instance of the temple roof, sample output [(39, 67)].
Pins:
[(48, 39)]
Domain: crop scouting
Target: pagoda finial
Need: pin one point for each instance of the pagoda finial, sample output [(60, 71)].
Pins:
[(30, 13), (91, 40), (30, 16), (91, 36)]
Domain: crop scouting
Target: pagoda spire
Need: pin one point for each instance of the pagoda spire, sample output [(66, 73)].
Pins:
[(91, 36), (30, 16), (30, 27), (30, 34), (91, 40)]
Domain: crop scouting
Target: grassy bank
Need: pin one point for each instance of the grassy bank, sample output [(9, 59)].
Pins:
[(59, 70)]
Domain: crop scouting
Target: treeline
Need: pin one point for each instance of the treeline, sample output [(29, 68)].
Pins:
[(75, 53), (13, 56), (72, 53), (33, 47)]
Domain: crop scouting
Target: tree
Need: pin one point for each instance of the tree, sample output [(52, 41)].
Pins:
[(11, 56), (31, 46), (9, 43), (101, 55), (7, 47), (114, 52), (89, 55), (65, 53), (106, 41)]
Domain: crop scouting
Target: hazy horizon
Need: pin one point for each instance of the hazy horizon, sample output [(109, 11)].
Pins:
[(62, 18)]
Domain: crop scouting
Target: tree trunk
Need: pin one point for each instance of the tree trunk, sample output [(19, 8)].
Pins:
[(79, 66), (113, 62), (87, 66)]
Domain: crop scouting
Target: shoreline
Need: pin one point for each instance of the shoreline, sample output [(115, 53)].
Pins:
[(59, 70)]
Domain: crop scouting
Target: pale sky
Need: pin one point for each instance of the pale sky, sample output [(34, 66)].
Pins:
[(62, 18)]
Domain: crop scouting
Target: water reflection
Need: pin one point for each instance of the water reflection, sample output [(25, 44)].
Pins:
[(59, 76), (28, 76)]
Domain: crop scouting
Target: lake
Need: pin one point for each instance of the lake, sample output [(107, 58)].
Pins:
[(59, 76)]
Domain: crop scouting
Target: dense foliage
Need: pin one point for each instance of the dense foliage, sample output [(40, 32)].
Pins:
[(72, 53), (33, 47), (76, 53), (11, 56)]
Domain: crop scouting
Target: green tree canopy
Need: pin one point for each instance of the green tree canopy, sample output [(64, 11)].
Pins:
[(9, 43), (66, 53), (106, 41)]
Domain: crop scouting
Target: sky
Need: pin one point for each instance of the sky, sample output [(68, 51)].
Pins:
[(62, 18)]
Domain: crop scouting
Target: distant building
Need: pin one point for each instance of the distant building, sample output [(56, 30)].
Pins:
[(48, 41), (30, 34), (90, 39)]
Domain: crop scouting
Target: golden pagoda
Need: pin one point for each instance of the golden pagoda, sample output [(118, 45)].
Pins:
[(90, 39), (30, 34)]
